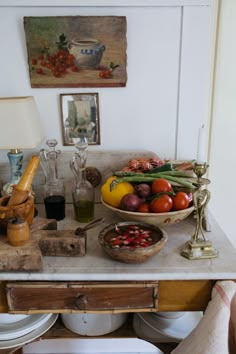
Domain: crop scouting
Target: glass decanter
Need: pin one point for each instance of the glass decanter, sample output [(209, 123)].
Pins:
[(83, 192), (54, 191)]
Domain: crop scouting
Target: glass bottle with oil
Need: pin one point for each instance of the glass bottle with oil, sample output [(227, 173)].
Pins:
[(83, 192)]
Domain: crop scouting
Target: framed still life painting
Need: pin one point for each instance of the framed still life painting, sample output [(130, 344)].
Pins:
[(76, 51), (80, 118)]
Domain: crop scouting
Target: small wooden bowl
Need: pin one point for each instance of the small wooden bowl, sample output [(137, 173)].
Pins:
[(18, 233), (136, 255), (24, 210)]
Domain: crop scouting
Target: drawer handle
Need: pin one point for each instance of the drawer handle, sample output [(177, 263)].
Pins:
[(81, 302)]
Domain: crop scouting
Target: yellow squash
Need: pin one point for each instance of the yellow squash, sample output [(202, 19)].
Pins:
[(114, 197)]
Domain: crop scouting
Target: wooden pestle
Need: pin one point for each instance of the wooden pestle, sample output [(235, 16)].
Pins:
[(21, 191)]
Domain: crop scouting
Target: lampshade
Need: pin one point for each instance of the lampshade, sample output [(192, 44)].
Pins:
[(20, 123), (20, 129)]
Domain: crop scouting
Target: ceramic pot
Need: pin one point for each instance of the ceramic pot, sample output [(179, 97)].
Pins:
[(87, 52), (89, 324), (18, 232)]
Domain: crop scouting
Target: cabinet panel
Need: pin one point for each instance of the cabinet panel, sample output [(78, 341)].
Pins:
[(81, 296)]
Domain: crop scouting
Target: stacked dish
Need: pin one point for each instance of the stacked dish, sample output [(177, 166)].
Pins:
[(16, 330), (165, 327)]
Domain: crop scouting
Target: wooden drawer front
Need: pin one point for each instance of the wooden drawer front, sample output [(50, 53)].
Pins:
[(86, 297)]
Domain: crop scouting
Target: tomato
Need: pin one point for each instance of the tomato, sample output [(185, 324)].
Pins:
[(143, 208), (161, 185), (180, 201), (161, 204)]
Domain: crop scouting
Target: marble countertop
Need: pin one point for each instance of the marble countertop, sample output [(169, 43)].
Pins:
[(168, 264)]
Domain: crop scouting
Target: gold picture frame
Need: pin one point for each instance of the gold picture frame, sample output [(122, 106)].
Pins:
[(80, 117)]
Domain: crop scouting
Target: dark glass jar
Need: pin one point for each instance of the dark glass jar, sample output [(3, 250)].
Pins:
[(54, 190)]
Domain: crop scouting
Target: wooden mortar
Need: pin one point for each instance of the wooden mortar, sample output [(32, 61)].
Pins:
[(24, 210), (21, 191)]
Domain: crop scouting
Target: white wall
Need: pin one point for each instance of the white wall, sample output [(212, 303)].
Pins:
[(165, 100), (223, 147), (167, 93)]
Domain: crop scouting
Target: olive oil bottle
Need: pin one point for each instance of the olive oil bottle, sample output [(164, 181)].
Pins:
[(83, 192)]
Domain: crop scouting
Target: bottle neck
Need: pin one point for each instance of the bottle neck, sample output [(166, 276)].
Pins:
[(83, 177), (52, 175)]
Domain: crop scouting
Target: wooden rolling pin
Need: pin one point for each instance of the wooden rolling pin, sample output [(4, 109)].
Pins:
[(21, 191)]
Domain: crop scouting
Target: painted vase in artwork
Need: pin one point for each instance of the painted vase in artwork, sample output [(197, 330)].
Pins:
[(87, 52)]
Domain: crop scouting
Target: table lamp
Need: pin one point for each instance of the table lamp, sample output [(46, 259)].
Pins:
[(20, 129)]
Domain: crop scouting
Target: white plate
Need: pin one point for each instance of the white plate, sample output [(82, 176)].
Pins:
[(178, 328), (29, 336), (20, 328), (6, 318), (91, 345)]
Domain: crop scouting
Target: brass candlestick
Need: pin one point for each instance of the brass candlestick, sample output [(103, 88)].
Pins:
[(198, 247)]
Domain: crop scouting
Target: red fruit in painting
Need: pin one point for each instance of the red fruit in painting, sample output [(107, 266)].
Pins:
[(105, 74), (102, 74), (40, 71), (40, 57), (74, 68), (34, 61), (56, 74)]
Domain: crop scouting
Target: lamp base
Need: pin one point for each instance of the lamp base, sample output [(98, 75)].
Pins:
[(15, 158), (7, 189), (199, 250)]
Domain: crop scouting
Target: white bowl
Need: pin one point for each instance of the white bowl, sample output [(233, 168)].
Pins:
[(144, 331), (177, 328), (172, 315), (87, 324), (156, 219)]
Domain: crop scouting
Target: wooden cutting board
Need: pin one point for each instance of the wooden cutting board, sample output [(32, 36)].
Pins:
[(27, 257), (62, 243)]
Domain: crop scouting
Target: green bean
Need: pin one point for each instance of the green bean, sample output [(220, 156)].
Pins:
[(186, 174), (149, 178)]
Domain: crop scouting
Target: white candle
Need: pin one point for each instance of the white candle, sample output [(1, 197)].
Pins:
[(201, 146)]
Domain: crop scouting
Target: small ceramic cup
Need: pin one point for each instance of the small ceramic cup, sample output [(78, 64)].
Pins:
[(18, 232)]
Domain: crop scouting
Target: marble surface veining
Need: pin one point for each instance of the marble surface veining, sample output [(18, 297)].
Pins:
[(168, 264)]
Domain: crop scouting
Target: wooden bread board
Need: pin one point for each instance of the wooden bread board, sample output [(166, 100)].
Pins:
[(63, 243), (27, 257)]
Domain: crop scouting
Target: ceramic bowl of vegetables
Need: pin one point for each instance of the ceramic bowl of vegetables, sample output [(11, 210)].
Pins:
[(132, 242), (157, 219), (162, 196)]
